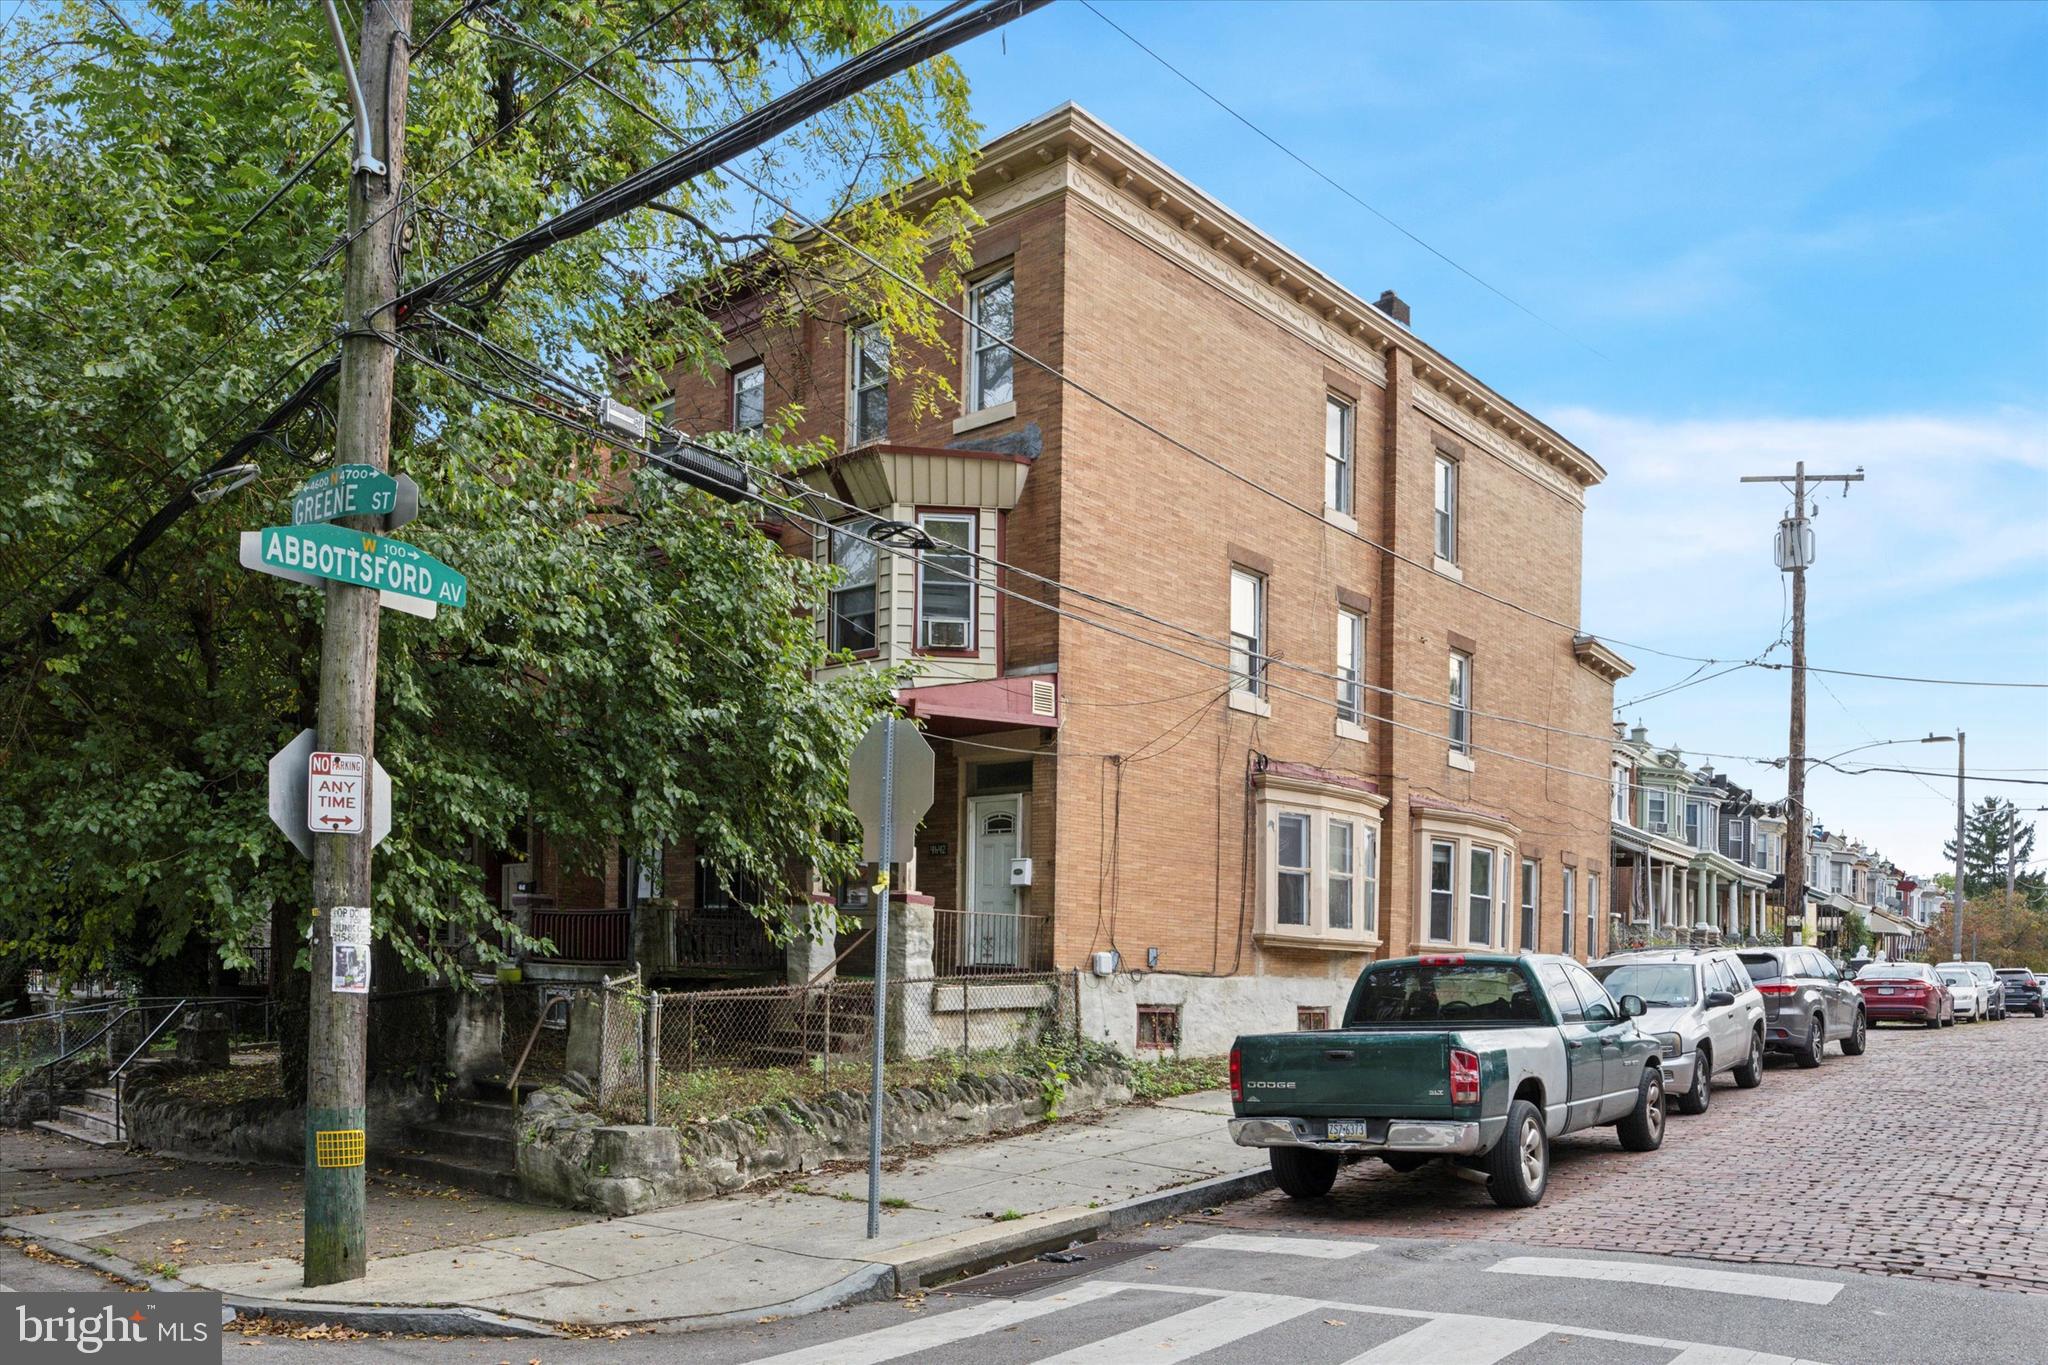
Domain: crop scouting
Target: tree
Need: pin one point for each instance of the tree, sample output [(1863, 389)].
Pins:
[(635, 663), (2004, 931), (1993, 840)]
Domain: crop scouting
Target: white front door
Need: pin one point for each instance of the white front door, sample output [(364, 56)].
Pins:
[(997, 827)]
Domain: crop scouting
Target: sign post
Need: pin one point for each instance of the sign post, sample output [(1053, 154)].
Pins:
[(890, 788)]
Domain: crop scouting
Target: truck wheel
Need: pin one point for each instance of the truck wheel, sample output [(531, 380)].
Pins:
[(1643, 1129), (1858, 1039), (1750, 1074), (1816, 1042), (1303, 1174), (1700, 1093), (1518, 1167), (1404, 1162)]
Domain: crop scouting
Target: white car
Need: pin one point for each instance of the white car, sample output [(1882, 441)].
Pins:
[(1707, 1014), (1968, 993)]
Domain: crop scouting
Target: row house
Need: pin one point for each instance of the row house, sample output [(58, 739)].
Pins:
[(1361, 733), (1689, 850)]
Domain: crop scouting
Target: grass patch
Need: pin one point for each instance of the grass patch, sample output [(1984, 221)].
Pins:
[(1164, 1077), (1008, 1216)]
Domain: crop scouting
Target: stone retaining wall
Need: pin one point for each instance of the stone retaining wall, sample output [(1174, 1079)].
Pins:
[(578, 1160), (253, 1130)]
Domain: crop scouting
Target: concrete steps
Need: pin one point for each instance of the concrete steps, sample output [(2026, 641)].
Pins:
[(88, 1116), (471, 1143), (479, 1176)]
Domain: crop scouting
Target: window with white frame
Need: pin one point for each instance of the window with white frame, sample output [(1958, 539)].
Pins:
[(868, 401), (1479, 896), (1337, 423), (1657, 810), (1350, 666), (1532, 892), (1461, 701), (1446, 509), (946, 582), (1320, 863), (1248, 631), (1291, 859), (851, 607), (1593, 912), (992, 313), (1443, 889), (1571, 892), (1695, 823), (750, 398), (1621, 805)]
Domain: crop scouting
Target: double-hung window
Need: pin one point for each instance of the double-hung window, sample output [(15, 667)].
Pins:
[(1337, 426), (1593, 913), (992, 315), (852, 605), (869, 399), (1571, 908), (750, 399), (1532, 883), (1350, 666), (946, 582), (1369, 878), (1292, 858), (1248, 632), (1479, 897), (1657, 810), (1695, 821), (1446, 509), (1343, 873), (1443, 890), (1461, 701)]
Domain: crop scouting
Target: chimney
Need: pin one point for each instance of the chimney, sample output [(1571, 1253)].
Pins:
[(1392, 305)]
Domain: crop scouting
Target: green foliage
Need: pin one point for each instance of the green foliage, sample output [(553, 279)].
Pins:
[(1052, 1085), (1995, 838), (635, 663), (1162, 1078)]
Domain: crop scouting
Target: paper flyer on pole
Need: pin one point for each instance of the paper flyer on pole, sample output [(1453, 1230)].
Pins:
[(349, 932)]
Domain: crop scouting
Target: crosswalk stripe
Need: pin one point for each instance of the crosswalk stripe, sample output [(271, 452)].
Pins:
[(1730, 1355), (1672, 1277), (1282, 1246), (1190, 1332), (941, 1329), (1456, 1339)]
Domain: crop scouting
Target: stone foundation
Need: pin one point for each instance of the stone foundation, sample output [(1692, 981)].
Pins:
[(579, 1160), (254, 1130)]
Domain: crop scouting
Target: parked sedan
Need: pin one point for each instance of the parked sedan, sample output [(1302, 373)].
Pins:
[(1967, 993), (1806, 1003), (1705, 1012), (1909, 992), (2022, 992), (1990, 987)]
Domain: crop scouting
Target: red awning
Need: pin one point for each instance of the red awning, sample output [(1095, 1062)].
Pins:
[(989, 704)]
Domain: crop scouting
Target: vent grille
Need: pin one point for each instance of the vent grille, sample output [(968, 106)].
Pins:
[(1044, 701)]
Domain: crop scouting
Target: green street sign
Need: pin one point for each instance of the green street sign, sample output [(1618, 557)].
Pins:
[(365, 560), (348, 490)]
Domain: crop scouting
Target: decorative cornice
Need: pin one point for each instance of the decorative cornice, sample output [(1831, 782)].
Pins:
[(1599, 659)]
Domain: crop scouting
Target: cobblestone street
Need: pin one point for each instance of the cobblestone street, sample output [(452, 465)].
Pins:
[(1927, 1156)]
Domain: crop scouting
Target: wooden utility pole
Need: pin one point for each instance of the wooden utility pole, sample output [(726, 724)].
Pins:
[(337, 1039), (1961, 810), (1795, 552)]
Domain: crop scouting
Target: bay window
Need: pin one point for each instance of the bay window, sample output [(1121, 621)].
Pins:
[(1319, 861), (1479, 897), (1291, 857), (1443, 889)]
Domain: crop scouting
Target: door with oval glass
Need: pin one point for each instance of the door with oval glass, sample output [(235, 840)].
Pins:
[(997, 825)]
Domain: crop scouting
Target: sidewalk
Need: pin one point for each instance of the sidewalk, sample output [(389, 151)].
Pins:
[(748, 1256)]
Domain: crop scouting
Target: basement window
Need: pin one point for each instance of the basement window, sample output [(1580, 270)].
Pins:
[(1311, 1018), (1158, 1028)]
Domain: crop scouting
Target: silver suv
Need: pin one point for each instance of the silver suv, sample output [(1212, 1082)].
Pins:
[(1703, 1008)]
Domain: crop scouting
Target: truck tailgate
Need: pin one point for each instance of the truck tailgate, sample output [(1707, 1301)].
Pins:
[(1347, 1074)]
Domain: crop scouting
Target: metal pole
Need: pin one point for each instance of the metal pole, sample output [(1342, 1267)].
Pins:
[(881, 983), (650, 1048), (336, 1036), (1959, 846)]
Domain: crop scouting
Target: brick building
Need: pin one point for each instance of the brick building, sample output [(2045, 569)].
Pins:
[(1304, 767)]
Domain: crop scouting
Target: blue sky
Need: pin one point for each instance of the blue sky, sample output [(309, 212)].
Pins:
[(1765, 233)]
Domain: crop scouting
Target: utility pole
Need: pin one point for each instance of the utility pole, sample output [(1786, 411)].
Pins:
[(1959, 848), (336, 1044), (1795, 553)]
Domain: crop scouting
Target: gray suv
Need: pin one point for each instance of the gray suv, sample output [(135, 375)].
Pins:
[(1703, 1009), (1807, 1004)]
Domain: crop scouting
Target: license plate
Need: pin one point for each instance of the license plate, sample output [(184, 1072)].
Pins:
[(1884, 990), (1345, 1129)]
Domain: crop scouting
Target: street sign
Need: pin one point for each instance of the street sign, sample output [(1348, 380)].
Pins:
[(367, 561), (348, 490), (912, 792), (252, 558), (336, 802), (290, 768)]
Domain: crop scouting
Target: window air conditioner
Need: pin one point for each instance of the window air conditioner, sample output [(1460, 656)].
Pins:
[(945, 634)]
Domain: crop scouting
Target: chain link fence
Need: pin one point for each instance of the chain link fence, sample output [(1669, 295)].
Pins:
[(718, 1052)]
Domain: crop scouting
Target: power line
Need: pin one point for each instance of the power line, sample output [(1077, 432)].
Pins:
[(1337, 185), (1899, 678)]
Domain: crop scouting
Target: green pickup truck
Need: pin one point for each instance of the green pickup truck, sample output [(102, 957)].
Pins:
[(1481, 1058)]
